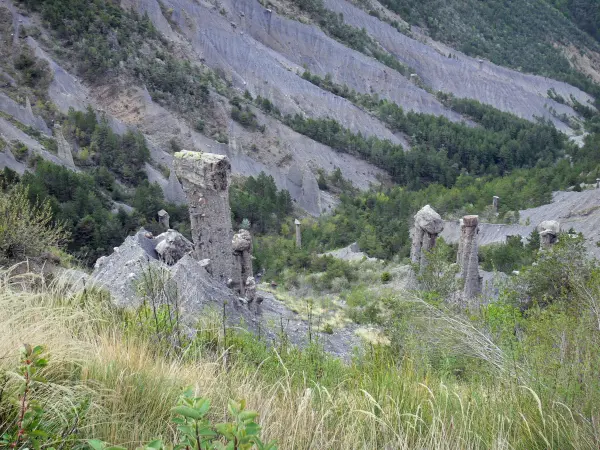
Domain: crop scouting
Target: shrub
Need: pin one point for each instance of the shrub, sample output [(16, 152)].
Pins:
[(386, 277), (27, 230)]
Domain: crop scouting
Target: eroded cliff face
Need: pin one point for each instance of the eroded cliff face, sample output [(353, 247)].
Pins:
[(262, 52)]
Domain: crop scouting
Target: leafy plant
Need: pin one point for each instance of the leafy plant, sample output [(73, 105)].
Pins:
[(28, 430)]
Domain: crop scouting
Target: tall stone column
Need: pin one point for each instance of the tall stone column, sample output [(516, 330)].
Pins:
[(428, 224), (298, 234), (495, 203), (468, 257), (205, 178), (548, 230), (163, 219), (242, 252)]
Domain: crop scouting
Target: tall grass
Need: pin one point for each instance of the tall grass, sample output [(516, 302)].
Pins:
[(116, 386)]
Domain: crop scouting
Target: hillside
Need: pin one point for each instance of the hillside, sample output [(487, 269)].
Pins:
[(317, 224), (244, 46)]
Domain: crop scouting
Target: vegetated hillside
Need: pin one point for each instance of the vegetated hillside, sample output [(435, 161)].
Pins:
[(322, 107), (528, 35)]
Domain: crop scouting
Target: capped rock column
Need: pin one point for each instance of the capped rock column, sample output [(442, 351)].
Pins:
[(205, 178), (163, 219), (468, 257), (428, 224), (548, 230), (298, 233), (242, 252)]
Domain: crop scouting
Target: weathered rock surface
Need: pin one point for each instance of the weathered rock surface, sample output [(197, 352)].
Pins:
[(122, 272), (242, 253), (350, 253), (205, 178), (172, 246), (428, 224), (468, 257), (23, 114), (65, 152)]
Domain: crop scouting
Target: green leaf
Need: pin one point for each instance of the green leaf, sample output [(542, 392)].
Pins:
[(156, 444), (96, 444), (245, 415), (186, 411)]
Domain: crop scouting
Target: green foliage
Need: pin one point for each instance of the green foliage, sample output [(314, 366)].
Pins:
[(27, 229), (258, 200), (509, 256), (584, 13), (29, 430), (386, 277), (20, 151), (35, 72), (438, 278), (441, 150), (515, 34), (76, 201), (357, 39), (558, 274), (243, 114)]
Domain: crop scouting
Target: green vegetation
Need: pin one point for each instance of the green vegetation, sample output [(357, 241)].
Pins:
[(81, 203), (333, 24), (529, 359), (520, 34), (125, 156), (258, 201), (27, 229), (104, 40), (584, 13), (441, 150), (511, 255)]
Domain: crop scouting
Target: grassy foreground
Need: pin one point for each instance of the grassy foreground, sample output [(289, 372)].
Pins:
[(110, 382)]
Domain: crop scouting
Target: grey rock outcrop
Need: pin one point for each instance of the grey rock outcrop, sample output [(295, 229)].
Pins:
[(174, 191), (172, 246), (428, 224), (205, 178), (124, 271), (64, 148), (468, 257), (548, 230), (242, 252)]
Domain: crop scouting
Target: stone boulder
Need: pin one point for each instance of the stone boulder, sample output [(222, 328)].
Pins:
[(549, 225), (172, 246), (242, 241), (429, 220)]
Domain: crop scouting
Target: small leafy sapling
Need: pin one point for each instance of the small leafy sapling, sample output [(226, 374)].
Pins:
[(28, 432)]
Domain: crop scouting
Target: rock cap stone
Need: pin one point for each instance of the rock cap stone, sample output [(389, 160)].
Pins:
[(549, 225), (429, 220)]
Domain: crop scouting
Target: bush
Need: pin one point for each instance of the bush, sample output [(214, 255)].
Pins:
[(386, 277), (27, 230)]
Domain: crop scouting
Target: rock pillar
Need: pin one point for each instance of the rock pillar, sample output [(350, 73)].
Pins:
[(298, 234), (468, 258), (163, 219), (205, 178), (428, 224), (548, 230), (64, 148), (495, 203), (242, 252)]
